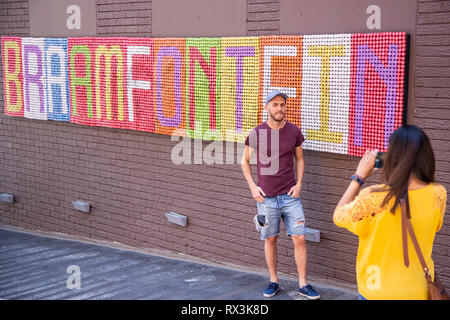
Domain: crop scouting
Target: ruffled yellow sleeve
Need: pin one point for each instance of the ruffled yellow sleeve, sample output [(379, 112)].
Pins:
[(441, 195), (356, 215)]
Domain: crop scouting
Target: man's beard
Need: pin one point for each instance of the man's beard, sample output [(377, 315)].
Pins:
[(273, 117)]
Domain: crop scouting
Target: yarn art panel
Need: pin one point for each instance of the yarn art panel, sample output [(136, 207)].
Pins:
[(346, 92)]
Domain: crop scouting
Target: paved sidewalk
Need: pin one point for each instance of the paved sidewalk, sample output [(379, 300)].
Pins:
[(35, 267)]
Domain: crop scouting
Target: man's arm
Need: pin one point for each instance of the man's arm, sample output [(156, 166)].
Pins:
[(257, 192), (299, 170)]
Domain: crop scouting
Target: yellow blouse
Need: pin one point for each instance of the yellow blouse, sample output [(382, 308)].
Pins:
[(380, 271)]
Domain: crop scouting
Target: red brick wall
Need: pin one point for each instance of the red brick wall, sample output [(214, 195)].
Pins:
[(130, 180)]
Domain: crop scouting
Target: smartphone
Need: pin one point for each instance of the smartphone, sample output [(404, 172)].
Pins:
[(379, 160)]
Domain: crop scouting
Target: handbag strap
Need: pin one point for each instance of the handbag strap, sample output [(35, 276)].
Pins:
[(407, 227)]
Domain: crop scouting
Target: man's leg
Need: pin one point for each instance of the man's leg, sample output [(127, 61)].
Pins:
[(295, 224), (269, 233), (300, 258), (270, 250)]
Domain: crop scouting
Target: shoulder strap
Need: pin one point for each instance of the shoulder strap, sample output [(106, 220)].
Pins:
[(404, 233), (407, 227)]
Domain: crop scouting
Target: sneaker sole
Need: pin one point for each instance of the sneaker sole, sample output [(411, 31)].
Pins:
[(267, 295), (309, 297)]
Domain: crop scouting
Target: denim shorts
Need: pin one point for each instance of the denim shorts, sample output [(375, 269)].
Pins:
[(279, 207)]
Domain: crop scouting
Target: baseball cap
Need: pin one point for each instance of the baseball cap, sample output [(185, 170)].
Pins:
[(275, 93)]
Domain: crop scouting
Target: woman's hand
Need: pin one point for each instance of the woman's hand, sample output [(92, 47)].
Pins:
[(366, 164), (364, 170)]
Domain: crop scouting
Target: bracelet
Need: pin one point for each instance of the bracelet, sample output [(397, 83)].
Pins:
[(358, 179)]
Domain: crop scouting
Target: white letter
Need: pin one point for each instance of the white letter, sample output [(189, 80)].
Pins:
[(74, 281), (74, 20), (60, 80), (134, 84), (198, 143), (374, 21), (264, 309), (374, 277), (184, 146), (269, 52), (263, 153), (215, 147)]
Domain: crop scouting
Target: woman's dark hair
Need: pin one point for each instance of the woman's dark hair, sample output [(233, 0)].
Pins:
[(409, 153)]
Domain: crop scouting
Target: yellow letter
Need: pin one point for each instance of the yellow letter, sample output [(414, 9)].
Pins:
[(12, 76), (109, 53), (324, 133)]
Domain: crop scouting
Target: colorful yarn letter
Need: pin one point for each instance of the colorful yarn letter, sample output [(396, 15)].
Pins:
[(139, 85), (239, 53), (239, 78), (57, 79), (210, 72), (377, 89), (389, 75), (12, 68), (325, 53), (108, 54), (170, 86), (76, 81), (174, 53), (34, 78), (203, 87), (281, 69)]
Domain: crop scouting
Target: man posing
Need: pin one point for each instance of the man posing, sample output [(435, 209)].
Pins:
[(277, 194)]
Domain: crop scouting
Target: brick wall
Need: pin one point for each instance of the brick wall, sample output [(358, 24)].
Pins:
[(14, 18), (128, 18), (130, 180), (432, 104), (263, 17)]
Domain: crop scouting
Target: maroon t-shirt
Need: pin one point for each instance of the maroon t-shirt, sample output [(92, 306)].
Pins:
[(276, 174)]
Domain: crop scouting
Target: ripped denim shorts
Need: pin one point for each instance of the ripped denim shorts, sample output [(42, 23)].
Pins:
[(275, 208)]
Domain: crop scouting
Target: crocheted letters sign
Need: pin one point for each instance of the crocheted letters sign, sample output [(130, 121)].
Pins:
[(346, 91)]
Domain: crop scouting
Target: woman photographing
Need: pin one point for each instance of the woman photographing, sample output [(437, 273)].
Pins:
[(375, 216)]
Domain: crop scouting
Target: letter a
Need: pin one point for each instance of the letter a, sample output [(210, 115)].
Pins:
[(74, 280), (74, 20), (374, 277), (374, 21)]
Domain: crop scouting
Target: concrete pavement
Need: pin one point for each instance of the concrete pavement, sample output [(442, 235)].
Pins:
[(34, 267)]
